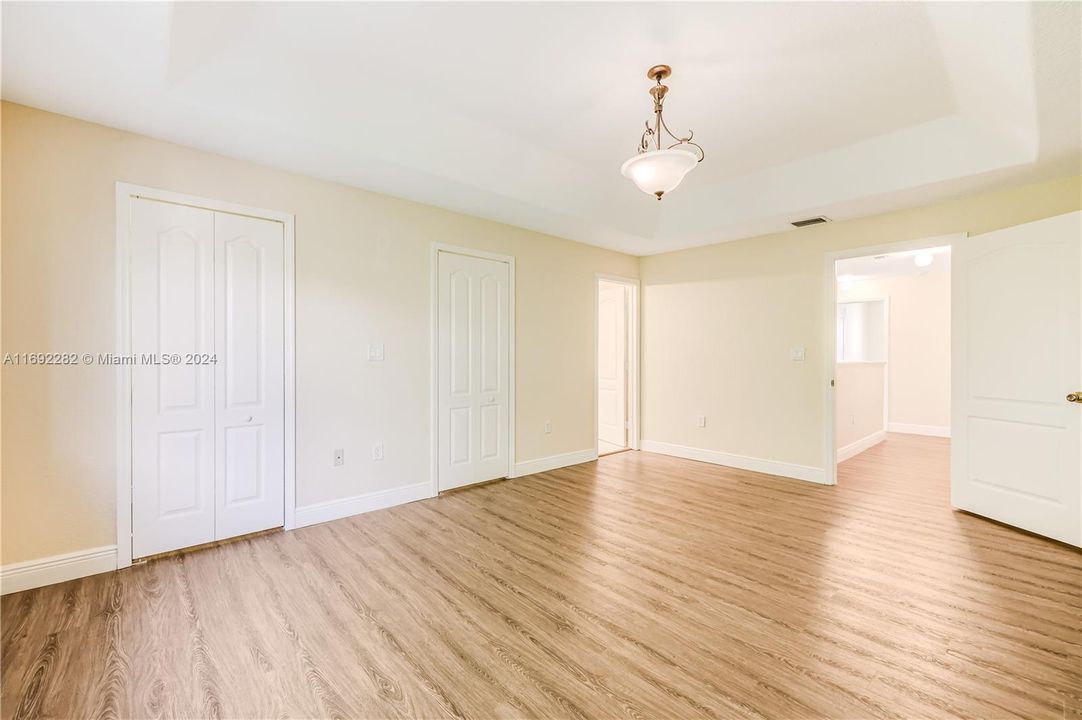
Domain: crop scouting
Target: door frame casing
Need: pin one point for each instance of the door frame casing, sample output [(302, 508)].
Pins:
[(434, 360), (125, 194), (633, 286), (830, 330)]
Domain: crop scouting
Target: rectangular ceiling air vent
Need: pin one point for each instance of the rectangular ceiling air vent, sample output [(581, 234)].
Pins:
[(811, 221)]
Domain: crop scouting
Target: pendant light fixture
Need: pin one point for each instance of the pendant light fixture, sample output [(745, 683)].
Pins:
[(654, 169)]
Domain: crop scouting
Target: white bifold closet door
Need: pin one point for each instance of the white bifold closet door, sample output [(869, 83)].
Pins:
[(208, 410), (172, 292), (249, 388), (473, 328)]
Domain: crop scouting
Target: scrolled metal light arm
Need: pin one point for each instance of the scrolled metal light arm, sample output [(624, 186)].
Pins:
[(658, 92)]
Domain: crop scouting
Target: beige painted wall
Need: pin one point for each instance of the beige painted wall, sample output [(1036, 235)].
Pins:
[(858, 401), (919, 346), (363, 276), (719, 321)]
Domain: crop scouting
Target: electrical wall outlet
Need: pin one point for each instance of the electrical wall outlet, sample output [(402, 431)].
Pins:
[(701, 421), (375, 352), (377, 451), (339, 457), (796, 354), (548, 427)]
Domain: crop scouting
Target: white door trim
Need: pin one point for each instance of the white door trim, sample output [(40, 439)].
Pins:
[(434, 356), (125, 192), (830, 330), (633, 286)]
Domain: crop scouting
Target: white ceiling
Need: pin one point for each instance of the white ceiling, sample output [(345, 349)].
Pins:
[(896, 264), (523, 112)]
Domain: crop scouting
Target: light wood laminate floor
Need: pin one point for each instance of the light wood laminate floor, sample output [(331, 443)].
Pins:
[(638, 586)]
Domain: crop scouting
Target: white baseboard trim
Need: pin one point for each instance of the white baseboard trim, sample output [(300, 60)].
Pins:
[(856, 448), (56, 569), (770, 467), (932, 430), (529, 467), (357, 504)]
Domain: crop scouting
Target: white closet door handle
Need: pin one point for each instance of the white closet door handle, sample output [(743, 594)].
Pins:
[(248, 419)]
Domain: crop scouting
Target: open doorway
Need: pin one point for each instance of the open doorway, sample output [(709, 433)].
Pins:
[(617, 364), (892, 360), (1000, 433)]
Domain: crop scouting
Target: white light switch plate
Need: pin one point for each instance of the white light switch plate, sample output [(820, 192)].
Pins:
[(796, 354), (375, 352)]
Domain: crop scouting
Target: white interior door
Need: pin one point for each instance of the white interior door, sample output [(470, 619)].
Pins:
[(249, 465), (1016, 447), (473, 331), (172, 294), (208, 380), (612, 363)]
